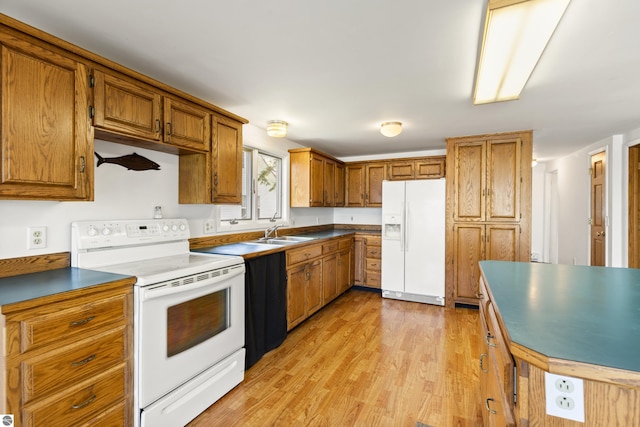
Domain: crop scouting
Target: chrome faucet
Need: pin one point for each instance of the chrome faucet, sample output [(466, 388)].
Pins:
[(270, 230)]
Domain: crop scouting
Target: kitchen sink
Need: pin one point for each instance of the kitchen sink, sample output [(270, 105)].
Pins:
[(265, 244), (280, 241), (293, 238)]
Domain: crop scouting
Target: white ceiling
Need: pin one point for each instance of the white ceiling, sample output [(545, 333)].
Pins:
[(336, 69)]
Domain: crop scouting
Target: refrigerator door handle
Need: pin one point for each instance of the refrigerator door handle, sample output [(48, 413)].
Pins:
[(405, 221), (405, 235), (402, 228)]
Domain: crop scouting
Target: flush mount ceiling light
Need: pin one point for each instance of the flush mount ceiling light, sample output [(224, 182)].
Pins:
[(516, 33), (277, 128), (391, 129)]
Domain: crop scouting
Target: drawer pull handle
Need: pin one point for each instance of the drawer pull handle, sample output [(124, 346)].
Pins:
[(488, 337), (93, 356), (491, 411), (482, 368), (479, 296), (83, 404), (83, 321)]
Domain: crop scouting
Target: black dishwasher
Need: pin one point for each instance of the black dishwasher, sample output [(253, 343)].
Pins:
[(265, 305)]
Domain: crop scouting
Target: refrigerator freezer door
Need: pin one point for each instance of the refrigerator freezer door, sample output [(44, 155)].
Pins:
[(425, 237), (392, 275)]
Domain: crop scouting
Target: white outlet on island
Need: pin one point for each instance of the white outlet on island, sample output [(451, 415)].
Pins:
[(564, 396)]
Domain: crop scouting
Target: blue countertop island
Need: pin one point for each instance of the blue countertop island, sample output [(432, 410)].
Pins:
[(578, 313), (547, 322)]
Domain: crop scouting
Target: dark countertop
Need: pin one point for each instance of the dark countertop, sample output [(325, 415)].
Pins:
[(36, 285), (246, 249), (579, 313)]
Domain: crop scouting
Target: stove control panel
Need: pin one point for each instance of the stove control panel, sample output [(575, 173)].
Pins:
[(102, 234)]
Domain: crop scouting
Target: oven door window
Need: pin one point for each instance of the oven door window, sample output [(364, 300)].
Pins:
[(195, 321)]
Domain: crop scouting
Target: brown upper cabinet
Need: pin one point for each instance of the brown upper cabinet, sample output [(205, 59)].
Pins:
[(186, 125), (56, 97), (227, 160), (364, 184), (317, 179), (47, 141), (129, 108), (430, 167), (487, 178), (422, 168), (134, 109)]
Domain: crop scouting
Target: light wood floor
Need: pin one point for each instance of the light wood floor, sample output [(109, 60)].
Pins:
[(363, 361)]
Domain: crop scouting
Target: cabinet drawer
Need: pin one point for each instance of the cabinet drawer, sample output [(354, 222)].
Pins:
[(303, 254), (374, 240), (374, 252), (59, 369), (373, 278), (78, 404), (329, 247), (372, 265), (71, 323), (116, 416), (344, 244)]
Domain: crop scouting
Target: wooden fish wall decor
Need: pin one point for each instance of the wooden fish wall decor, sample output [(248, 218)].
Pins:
[(131, 161)]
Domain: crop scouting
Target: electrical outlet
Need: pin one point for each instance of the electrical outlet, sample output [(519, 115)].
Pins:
[(36, 237), (564, 396), (209, 226)]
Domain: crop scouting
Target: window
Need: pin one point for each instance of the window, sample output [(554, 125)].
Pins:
[(261, 191)]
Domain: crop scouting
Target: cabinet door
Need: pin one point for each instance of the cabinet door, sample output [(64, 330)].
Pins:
[(401, 170), (373, 185), (344, 271), (330, 277), (430, 168), (125, 107), (469, 178), (502, 242), (485, 368), (314, 287), (186, 125), (355, 185), (503, 180), (227, 160), (47, 143), (329, 183), (316, 195), (467, 252), (296, 295), (339, 185), (359, 250)]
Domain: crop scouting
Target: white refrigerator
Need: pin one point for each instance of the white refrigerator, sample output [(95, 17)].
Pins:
[(413, 235)]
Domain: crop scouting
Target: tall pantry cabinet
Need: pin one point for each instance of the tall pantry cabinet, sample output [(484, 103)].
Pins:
[(488, 207)]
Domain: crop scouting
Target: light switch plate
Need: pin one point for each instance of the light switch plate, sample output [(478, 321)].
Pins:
[(564, 396)]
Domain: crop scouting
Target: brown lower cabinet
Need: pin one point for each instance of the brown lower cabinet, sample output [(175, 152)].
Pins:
[(368, 260), (68, 358), (473, 243), (316, 274)]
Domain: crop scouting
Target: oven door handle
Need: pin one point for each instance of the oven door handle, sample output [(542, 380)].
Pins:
[(216, 283)]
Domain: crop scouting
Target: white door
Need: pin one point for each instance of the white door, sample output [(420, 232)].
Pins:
[(425, 237), (392, 274)]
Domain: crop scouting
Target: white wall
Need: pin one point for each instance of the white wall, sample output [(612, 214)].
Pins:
[(537, 212), (119, 194), (574, 201)]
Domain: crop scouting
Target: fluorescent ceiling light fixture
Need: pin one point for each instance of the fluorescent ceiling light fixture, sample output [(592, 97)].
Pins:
[(516, 33), (391, 129), (277, 128)]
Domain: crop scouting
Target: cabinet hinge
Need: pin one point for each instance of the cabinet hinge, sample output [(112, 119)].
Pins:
[(590, 171), (92, 111), (92, 81)]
